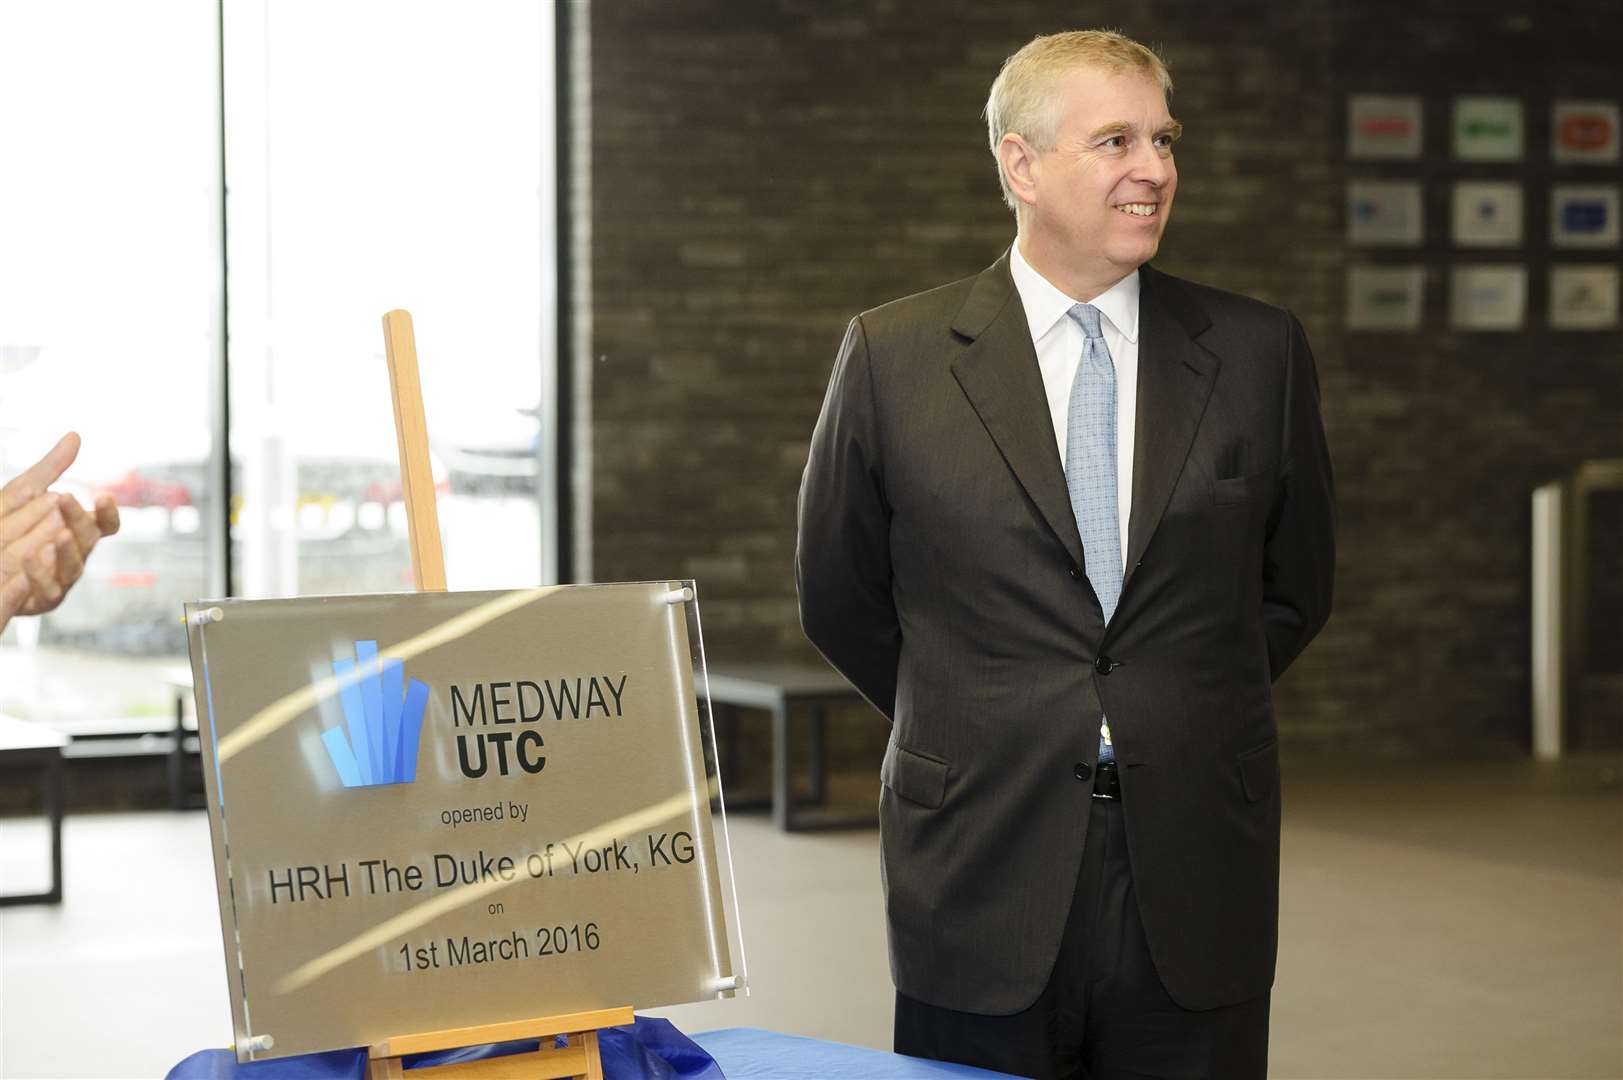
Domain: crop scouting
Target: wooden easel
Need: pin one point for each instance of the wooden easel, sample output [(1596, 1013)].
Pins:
[(411, 435), (578, 1056)]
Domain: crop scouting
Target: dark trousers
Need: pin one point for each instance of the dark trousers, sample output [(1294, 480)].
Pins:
[(1104, 1014)]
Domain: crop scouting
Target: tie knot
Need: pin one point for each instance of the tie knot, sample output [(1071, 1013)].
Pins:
[(1087, 317)]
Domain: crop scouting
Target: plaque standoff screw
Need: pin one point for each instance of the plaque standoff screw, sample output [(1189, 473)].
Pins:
[(677, 596), (254, 1044), (207, 615)]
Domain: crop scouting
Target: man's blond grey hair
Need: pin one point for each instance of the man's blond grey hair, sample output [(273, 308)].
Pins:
[(1025, 95)]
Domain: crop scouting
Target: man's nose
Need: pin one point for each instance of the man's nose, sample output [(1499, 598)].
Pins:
[(1152, 166)]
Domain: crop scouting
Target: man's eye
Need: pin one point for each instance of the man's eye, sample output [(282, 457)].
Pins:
[(1116, 141)]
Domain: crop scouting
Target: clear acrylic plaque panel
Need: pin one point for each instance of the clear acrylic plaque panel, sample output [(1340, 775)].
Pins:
[(442, 810)]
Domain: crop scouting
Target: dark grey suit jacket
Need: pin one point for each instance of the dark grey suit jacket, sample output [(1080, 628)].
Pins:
[(940, 569)]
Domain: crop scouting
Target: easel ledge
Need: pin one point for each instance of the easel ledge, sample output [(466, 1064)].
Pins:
[(580, 1056)]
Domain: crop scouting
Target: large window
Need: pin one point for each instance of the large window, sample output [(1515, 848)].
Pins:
[(110, 276), (387, 155), (377, 155)]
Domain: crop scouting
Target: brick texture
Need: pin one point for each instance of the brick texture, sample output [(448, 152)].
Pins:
[(763, 170)]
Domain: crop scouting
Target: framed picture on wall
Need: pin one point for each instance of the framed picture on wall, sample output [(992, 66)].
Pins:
[(1487, 128), (1385, 297), (1583, 297), (1487, 213), (1383, 127), (1484, 297), (1584, 132), (1384, 213), (1584, 215)]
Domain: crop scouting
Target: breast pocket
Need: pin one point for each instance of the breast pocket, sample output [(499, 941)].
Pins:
[(1240, 489)]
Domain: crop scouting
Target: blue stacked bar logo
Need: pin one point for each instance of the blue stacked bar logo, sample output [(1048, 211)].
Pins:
[(383, 717)]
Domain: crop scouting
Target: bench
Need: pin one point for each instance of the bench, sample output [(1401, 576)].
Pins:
[(36, 747), (779, 689)]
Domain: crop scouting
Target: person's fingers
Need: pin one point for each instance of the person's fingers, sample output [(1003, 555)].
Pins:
[(19, 521), (36, 551), (81, 524), (13, 594), (42, 533), (48, 469), (43, 591), (107, 515), (70, 561), (44, 537), (15, 495)]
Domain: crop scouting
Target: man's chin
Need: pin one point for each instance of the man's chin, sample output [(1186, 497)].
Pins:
[(1131, 256)]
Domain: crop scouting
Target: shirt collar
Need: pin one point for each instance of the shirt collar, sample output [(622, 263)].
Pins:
[(1045, 305)]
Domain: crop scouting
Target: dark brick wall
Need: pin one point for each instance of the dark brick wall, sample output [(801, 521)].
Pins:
[(763, 170)]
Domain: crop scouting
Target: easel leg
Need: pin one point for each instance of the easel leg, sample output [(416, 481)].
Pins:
[(594, 1058), (388, 1068)]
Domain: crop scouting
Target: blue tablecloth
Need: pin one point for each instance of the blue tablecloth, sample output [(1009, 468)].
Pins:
[(650, 1049), (753, 1054)]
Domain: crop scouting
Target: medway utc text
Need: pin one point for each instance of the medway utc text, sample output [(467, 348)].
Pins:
[(378, 877), (523, 701)]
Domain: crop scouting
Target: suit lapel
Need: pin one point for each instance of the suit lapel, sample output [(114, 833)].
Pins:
[(998, 373), (1175, 379)]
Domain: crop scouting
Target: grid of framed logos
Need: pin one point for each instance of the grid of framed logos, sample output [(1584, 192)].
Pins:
[(1492, 192)]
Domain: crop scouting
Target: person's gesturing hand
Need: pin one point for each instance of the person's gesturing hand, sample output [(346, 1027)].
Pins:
[(45, 538)]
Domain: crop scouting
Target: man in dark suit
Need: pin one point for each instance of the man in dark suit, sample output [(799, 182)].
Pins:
[(1064, 523)]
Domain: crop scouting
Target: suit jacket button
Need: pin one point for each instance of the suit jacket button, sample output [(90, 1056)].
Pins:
[(1103, 665), (1082, 771), (1076, 573)]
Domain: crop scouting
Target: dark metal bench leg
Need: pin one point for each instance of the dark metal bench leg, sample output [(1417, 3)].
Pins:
[(726, 721), (53, 809), (51, 792), (816, 764), (177, 758), (783, 794)]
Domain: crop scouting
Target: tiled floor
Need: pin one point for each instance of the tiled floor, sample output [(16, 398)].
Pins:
[(1461, 921)]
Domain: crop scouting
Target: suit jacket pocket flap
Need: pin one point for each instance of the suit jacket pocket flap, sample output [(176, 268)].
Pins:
[(1259, 771), (1235, 489), (914, 776)]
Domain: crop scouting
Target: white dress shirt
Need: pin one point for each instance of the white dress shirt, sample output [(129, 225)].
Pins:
[(1059, 340)]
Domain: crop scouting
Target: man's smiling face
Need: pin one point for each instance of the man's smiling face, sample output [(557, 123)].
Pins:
[(1104, 191)]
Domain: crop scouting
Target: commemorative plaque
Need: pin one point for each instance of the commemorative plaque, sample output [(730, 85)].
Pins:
[(445, 810)]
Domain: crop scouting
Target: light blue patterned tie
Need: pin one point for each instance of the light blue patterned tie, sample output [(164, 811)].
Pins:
[(1090, 472)]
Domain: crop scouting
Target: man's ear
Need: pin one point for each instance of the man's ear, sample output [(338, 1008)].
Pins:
[(1019, 163)]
